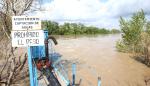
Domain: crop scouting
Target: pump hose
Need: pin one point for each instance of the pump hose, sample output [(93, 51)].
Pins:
[(46, 44), (54, 40)]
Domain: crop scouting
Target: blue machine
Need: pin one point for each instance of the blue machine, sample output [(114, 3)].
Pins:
[(35, 52), (38, 52), (38, 58)]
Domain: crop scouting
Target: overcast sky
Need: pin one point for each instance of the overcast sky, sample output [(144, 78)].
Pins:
[(100, 13)]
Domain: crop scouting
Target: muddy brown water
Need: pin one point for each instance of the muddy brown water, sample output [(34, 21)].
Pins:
[(97, 56)]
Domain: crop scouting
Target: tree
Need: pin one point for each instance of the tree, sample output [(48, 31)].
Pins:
[(52, 27), (146, 43), (9, 8), (104, 31), (135, 36), (114, 31), (132, 29), (13, 64), (73, 29), (61, 30)]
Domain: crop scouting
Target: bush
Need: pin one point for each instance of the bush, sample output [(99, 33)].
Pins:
[(131, 31), (135, 36), (121, 47)]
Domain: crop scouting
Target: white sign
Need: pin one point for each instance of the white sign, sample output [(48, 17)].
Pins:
[(26, 23), (27, 38)]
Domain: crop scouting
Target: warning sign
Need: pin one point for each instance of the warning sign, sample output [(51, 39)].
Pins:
[(26, 23), (27, 38)]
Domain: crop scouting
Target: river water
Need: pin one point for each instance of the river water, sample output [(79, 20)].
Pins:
[(97, 56)]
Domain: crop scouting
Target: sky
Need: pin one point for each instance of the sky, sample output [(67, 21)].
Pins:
[(99, 13)]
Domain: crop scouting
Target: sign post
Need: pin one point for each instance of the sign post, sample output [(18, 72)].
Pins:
[(26, 32), (30, 64)]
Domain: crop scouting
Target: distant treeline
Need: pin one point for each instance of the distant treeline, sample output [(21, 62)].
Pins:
[(74, 29)]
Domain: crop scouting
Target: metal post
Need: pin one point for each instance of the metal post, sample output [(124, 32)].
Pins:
[(32, 69), (35, 76), (99, 81), (74, 73)]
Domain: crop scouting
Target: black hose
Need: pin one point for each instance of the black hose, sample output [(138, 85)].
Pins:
[(46, 43), (53, 38)]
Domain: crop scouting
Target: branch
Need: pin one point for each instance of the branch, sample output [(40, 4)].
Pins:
[(3, 68), (11, 72), (23, 63), (6, 33)]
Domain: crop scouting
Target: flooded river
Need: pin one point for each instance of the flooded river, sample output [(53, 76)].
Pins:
[(97, 56)]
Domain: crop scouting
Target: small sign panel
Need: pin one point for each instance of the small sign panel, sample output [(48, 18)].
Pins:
[(26, 23), (27, 38)]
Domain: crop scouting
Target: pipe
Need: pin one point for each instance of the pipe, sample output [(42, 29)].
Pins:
[(46, 44), (53, 38), (32, 69), (99, 81), (73, 74)]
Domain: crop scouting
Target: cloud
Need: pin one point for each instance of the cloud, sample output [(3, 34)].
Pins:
[(101, 13), (128, 7)]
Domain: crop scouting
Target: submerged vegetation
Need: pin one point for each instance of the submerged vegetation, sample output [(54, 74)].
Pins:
[(74, 29), (135, 36)]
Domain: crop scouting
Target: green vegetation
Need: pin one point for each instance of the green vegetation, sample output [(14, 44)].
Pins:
[(135, 36), (114, 31), (74, 29)]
